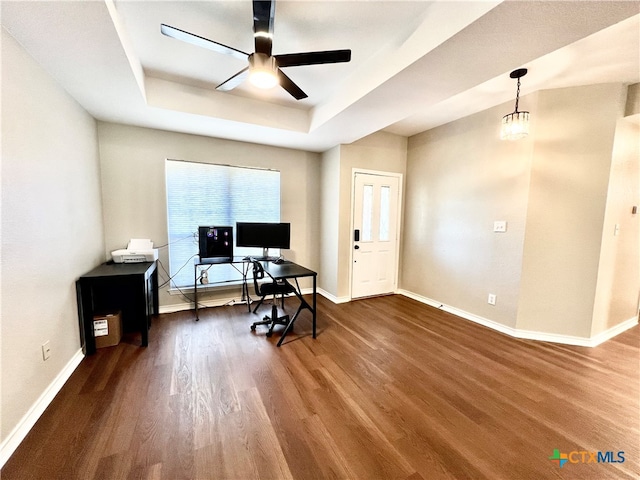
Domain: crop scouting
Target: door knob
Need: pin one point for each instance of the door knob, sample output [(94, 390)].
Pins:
[(357, 247)]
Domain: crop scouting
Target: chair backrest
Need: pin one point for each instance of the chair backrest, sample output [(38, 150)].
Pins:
[(258, 274)]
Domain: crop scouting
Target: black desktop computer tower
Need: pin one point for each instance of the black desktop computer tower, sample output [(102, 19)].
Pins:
[(215, 242)]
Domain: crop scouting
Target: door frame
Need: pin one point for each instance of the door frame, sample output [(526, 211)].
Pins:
[(381, 173)]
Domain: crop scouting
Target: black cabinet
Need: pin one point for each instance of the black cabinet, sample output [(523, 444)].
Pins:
[(131, 288)]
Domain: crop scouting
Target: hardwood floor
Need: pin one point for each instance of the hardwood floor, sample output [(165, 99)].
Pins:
[(389, 389)]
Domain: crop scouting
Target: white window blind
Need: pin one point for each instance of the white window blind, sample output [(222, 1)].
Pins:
[(202, 194)]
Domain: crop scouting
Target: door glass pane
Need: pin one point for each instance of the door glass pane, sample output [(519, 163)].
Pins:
[(367, 210), (384, 213)]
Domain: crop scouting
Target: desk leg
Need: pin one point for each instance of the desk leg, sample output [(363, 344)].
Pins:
[(195, 290), (155, 293), (303, 305), (314, 306), (289, 326), (142, 312), (84, 293), (245, 285), (149, 303)]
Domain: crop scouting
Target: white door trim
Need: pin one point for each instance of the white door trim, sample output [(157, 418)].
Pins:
[(400, 178)]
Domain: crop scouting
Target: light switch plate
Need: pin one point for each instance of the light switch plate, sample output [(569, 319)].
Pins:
[(500, 226), (46, 350)]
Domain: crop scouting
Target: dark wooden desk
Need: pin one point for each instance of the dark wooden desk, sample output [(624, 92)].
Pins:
[(288, 271), (131, 288)]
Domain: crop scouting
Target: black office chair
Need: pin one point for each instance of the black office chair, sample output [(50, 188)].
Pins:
[(270, 288)]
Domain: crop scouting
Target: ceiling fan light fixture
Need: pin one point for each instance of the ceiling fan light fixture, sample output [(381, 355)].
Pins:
[(263, 70), (515, 125)]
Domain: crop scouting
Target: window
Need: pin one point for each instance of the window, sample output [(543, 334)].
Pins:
[(205, 194), (367, 213), (384, 213)]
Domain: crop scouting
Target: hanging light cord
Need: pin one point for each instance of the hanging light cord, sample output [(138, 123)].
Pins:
[(517, 95)]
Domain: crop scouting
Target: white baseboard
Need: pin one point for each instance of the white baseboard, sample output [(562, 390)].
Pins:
[(218, 302), (333, 298), (613, 331), (27, 422), (553, 338), (174, 307), (527, 334)]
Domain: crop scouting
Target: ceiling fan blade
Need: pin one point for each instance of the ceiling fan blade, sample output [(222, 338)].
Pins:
[(199, 41), (313, 58), (293, 89), (234, 81), (263, 14)]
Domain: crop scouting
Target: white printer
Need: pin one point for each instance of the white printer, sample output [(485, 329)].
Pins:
[(138, 250)]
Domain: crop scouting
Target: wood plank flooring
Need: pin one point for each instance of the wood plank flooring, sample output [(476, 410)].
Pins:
[(390, 389)]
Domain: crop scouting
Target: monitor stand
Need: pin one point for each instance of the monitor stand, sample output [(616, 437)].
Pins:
[(265, 255)]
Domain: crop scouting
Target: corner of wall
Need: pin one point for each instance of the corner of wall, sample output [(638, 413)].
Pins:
[(569, 181), (618, 282), (632, 106), (329, 214)]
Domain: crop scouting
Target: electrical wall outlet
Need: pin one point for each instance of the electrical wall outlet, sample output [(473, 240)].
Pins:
[(500, 226), (492, 299), (46, 350)]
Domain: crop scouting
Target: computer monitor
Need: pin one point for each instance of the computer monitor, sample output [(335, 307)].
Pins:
[(215, 242), (263, 235)]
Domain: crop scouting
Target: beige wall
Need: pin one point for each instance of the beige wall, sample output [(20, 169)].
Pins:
[(133, 181), (569, 181), (51, 228), (551, 188), (619, 269), (330, 221), (460, 179), (380, 151)]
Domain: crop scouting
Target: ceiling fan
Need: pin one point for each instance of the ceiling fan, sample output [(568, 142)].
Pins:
[(264, 69)]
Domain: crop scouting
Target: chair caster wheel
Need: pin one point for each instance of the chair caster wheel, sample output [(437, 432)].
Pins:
[(269, 334), (253, 328)]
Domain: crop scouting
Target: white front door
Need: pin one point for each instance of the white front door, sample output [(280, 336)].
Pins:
[(375, 234)]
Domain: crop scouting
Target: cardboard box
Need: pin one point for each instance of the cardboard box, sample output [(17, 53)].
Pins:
[(107, 329)]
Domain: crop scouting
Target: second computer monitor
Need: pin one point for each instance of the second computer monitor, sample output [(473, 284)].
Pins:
[(263, 235)]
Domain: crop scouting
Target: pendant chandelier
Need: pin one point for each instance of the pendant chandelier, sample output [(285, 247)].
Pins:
[(515, 125)]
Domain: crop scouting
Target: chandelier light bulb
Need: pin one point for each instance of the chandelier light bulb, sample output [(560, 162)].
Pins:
[(514, 126)]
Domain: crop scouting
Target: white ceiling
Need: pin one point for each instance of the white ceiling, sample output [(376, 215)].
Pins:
[(415, 64)]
